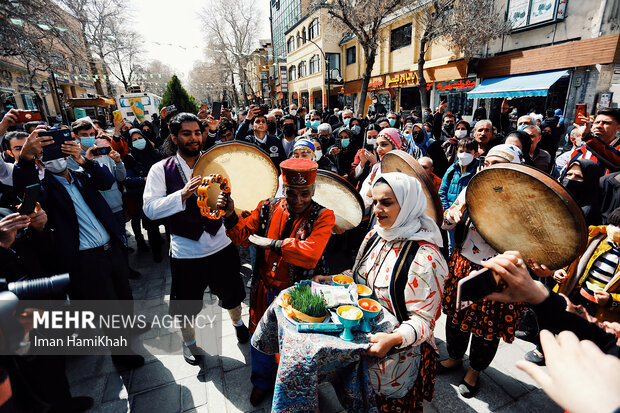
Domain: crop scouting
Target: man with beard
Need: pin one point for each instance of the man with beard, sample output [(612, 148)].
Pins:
[(201, 253)]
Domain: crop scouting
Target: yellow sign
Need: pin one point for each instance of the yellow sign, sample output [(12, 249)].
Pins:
[(137, 108), (402, 79)]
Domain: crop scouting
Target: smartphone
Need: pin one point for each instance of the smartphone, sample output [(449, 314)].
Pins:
[(170, 110), (443, 98), (117, 115), (264, 110), (28, 115), (225, 104), (217, 110), (477, 285), (29, 201), (580, 109), (101, 151), (53, 151)]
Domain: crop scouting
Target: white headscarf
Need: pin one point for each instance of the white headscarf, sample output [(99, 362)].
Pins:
[(412, 223)]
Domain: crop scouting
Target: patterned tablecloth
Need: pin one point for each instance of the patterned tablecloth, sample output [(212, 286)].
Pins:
[(306, 359)]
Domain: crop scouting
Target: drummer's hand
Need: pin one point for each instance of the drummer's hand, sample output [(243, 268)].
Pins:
[(559, 276), (383, 343), (190, 187), (323, 279), (337, 230), (539, 270), (225, 202), (521, 287), (260, 242)]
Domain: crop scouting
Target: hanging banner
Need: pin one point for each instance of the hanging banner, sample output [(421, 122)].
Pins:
[(137, 108)]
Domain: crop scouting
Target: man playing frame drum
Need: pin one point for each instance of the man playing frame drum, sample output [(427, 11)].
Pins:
[(291, 234), (201, 253)]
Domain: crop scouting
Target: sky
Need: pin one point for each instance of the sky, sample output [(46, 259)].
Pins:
[(176, 22)]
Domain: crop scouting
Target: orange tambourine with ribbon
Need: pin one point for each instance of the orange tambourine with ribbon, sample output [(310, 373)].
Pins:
[(203, 195)]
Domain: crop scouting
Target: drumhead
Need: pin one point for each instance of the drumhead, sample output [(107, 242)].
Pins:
[(251, 175), (400, 161), (518, 208), (335, 193)]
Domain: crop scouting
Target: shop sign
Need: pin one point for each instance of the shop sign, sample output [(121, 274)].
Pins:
[(294, 96), (375, 83), (453, 85), (402, 79), (284, 78)]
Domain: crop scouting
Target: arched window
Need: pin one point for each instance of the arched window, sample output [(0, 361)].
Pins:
[(303, 35), (315, 64), (313, 29), (291, 44), (298, 40), (292, 73), (302, 69)]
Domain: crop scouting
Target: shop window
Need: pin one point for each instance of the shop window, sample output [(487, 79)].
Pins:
[(291, 44), (292, 73), (302, 70), (313, 29), (400, 37), (315, 62), (28, 102), (351, 55), (531, 13)]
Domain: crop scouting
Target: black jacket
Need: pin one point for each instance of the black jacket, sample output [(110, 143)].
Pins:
[(273, 147)]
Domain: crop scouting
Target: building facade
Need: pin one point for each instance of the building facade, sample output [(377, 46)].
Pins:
[(257, 71)]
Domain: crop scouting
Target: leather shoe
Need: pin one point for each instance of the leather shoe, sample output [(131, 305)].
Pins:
[(131, 361), (257, 396), (468, 391), (243, 334), (192, 354)]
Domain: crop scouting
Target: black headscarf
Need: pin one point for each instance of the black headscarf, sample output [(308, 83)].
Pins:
[(145, 157), (586, 193)]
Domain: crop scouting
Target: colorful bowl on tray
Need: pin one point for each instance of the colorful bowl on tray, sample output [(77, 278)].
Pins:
[(349, 316), (370, 308), (342, 280), (363, 291)]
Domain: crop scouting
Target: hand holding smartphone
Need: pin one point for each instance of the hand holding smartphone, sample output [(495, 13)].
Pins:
[(29, 201), (474, 287), (217, 110)]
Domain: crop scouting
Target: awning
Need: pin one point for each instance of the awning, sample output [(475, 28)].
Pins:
[(536, 84), (87, 102)]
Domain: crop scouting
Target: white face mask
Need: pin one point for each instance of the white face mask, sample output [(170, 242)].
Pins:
[(56, 166), (461, 133), (371, 141), (293, 112), (465, 158), (318, 154)]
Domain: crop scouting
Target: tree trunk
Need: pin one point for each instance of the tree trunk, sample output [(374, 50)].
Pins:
[(235, 97), (244, 82), (371, 54), (424, 98), (89, 55)]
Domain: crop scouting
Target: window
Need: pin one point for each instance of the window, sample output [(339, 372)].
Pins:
[(313, 29), (298, 40), (303, 35), (28, 102), (350, 55), (291, 44), (302, 71), (522, 14), (315, 62), (292, 73), (400, 37), (334, 63)]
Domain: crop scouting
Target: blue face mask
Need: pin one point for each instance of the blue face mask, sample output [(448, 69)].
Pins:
[(139, 144), (88, 141), (308, 124), (346, 121), (344, 142), (392, 122), (522, 127), (355, 129), (315, 124)]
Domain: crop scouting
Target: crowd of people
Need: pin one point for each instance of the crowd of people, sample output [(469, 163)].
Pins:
[(145, 177)]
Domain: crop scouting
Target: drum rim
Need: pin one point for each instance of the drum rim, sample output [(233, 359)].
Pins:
[(427, 181), (551, 184), (220, 145), (346, 184)]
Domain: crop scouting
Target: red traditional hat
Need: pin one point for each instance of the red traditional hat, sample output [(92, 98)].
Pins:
[(298, 172)]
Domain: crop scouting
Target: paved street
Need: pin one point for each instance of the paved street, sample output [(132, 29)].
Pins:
[(168, 384)]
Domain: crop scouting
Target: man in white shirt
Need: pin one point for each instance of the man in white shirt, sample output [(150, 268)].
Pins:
[(201, 253)]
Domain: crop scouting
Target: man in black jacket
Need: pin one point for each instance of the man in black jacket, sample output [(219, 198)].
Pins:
[(270, 144)]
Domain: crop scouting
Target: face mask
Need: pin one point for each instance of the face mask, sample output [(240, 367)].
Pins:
[(371, 141), (407, 136), (613, 234), (88, 141), (293, 112), (420, 136), (392, 122), (318, 154), (315, 124), (355, 129), (448, 127), (522, 127), (577, 190), (465, 158), (346, 121), (288, 129), (461, 133), (56, 166), (344, 142), (139, 144), (271, 127), (545, 134)]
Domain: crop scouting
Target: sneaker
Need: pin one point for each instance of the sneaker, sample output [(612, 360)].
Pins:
[(535, 356), (243, 334), (257, 396), (192, 354)]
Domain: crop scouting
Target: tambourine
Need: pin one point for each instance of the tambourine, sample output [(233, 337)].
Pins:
[(203, 195)]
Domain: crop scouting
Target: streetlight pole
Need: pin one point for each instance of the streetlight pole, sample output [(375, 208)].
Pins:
[(326, 68)]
